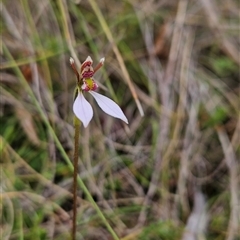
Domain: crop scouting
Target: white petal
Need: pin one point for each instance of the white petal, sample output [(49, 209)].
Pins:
[(109, 106), (82, 109)]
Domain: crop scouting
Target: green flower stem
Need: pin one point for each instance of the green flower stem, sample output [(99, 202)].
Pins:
[(59, 145)]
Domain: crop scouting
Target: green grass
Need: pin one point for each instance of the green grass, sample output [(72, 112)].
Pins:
[(136, 181)]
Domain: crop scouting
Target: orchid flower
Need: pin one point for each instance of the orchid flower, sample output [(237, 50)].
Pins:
[(85, 83)]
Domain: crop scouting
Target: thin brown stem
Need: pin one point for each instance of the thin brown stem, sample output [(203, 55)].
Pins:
[(99, 65), (72, 63), (75, 174)]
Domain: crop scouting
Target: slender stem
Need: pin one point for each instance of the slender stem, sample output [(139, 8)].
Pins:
[(75, 174), (75, 70), (99, 65)]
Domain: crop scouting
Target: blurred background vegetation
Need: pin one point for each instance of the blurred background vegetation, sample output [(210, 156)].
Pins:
[(170, 174)]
